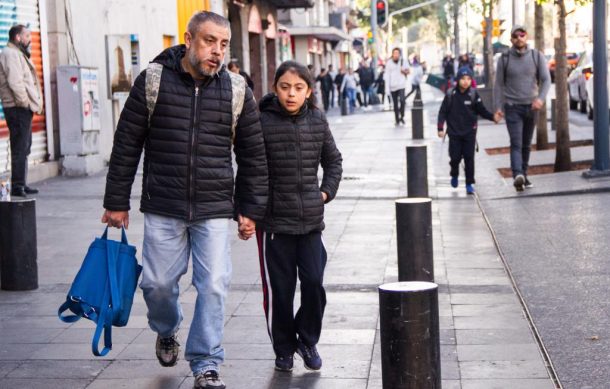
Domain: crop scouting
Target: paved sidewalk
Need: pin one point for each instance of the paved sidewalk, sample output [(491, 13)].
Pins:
[(486, 339)]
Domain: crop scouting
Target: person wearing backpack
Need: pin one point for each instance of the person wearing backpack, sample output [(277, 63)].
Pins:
[(522, 83), (396, 72), (460, 109), (187, 116)]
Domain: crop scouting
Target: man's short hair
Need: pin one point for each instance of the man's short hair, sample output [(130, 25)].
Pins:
[(14, 31), (201, 17)]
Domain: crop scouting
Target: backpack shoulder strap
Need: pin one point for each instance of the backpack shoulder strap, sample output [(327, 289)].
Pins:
[(473, 95), (238, 89), (505, 59), (536, 59), (153, 80)]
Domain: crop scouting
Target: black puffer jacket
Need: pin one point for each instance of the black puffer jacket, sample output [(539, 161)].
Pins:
[(188, 171), (296, 146)]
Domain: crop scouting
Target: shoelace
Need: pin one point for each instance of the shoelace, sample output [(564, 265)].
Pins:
[(168, 344), (310, 352)]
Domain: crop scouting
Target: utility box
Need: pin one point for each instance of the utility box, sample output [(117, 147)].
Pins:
[(79, 120), (79, 110)]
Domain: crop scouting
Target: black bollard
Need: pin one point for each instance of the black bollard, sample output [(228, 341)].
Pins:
[(18, 249), (344, 109), (414, 239), (553, 115), (417, 101), (410, 336), (417, 122), (417, 171)]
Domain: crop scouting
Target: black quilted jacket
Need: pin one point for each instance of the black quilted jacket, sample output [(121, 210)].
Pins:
[(188, 171), (296, 146)]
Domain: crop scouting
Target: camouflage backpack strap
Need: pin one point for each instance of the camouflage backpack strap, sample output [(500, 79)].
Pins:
[(153, 80), (238, 89)]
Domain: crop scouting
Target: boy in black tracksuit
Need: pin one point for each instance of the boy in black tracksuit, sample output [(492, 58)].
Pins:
[(460, 109)]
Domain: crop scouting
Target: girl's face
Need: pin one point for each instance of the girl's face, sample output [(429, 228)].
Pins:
[(292, 91), (465, 82)]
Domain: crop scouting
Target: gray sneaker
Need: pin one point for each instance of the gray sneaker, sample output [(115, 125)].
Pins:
[(167, 350), (519, 182), (208, 380)]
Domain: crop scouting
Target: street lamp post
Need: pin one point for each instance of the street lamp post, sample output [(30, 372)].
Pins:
[(403, 10), (601, 162)]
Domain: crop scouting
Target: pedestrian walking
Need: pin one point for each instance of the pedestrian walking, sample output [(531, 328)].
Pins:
[(448, 70), (333, 74), (460, 109), (522, 83), (396, 71), (348, 88), (367, 79), (380, 84), (417, 73), (234, 67), (326, 86), (297, 141), (21, 97), (188, 194)]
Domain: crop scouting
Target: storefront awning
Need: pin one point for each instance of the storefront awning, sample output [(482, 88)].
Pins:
[(286, 4), (324, 33)]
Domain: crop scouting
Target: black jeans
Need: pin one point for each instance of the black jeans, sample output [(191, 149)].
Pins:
[(462, 146), (326, 99), (283, 257), (520, 122), (19, 122), (399, 109)]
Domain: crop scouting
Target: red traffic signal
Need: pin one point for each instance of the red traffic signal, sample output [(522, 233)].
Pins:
[(382, 12)]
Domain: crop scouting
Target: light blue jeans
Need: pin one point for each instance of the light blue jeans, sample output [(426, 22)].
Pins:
[(168, 244)]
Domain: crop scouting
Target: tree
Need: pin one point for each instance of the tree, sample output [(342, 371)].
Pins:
[(563, 159), (542, 136)]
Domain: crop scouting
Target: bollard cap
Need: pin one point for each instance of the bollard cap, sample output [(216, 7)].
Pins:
[(408, 286), (413, 200), (420, 144)]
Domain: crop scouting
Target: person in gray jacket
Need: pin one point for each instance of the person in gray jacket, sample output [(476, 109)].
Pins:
[(522, 82), (21, 96)]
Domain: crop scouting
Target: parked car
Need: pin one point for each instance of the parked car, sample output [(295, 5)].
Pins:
[(577, 79), (589, 87), (572, 63)]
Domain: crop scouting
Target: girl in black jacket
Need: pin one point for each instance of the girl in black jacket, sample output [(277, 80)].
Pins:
[(298, 140)]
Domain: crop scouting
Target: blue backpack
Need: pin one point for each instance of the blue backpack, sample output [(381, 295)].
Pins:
[(103, 289)]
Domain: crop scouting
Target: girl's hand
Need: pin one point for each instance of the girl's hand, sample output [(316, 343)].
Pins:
[(441, 133), (324, 196)]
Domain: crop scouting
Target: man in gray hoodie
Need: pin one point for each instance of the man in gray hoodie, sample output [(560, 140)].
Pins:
[(522, 82)]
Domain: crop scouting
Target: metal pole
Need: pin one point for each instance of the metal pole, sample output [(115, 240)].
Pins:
[(403, 10), (601, 159), (18, 250), (456, 34), (417, 122), (553, 114), (417, 171), (414, 239), (409, 335), (374, 32)]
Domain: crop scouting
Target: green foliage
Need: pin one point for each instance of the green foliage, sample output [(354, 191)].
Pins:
[(576, 2)]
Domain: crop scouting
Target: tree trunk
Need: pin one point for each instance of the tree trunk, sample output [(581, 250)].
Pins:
[(542, 136), (488, 53), (563, 160)]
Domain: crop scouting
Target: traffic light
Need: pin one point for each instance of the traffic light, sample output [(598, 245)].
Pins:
[(370, 38), (496, 30), (382, 12)]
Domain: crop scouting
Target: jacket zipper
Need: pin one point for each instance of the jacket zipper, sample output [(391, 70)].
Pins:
[(191, 168), (299, 175)]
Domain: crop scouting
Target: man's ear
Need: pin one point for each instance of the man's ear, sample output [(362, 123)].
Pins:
[(187, 39)]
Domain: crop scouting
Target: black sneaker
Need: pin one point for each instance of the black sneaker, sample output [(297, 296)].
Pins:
[(402, 121), (528, 184), (167, 350), (208, 380), (284, 363), (519, 182), (311, 358)]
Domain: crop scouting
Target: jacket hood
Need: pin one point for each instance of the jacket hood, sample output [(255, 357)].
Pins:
[(171, 57), (270, 103)]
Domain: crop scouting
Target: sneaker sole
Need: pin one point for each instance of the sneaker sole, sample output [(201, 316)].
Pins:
[(167, 364), (283, 370), (519, 184)]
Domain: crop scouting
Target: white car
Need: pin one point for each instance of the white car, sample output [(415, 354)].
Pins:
[(589, 87), (577, 81)]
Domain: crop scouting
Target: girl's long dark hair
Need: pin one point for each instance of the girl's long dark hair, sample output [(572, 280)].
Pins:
[(302, 72)]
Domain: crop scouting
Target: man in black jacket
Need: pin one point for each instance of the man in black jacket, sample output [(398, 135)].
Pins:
[(187, 195)]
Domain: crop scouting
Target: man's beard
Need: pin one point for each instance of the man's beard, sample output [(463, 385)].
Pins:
[(24, 48), (196, 64)]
